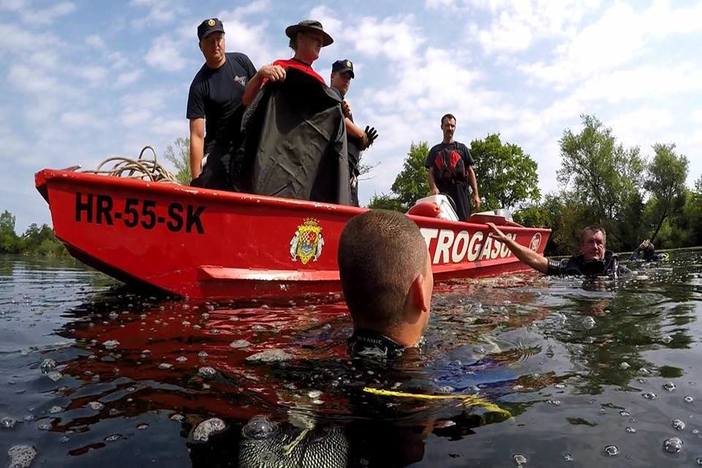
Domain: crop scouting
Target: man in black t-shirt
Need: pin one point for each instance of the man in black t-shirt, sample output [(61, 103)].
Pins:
[(451, 170), (215, 107), (357, 138)]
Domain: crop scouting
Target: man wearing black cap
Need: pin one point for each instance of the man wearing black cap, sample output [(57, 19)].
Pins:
[(358, 139), (307, 39), (214, 105)]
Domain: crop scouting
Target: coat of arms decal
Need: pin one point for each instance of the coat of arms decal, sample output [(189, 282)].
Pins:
[(307, 243)]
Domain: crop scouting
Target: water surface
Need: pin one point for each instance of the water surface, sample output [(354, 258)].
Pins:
[(593, 373)]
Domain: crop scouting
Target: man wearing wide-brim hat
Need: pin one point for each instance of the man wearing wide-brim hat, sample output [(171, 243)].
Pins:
[(306, 39)]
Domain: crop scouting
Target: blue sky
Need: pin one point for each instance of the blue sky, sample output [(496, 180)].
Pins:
[(84, 80)]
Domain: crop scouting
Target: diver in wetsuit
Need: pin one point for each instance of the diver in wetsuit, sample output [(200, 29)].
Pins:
[(646, 251), (594, 258)]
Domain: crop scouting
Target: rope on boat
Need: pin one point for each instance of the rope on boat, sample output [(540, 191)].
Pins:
[(140, 168), (467, 400)]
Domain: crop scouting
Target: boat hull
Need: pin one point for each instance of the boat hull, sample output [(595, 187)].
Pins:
[(210, 244)]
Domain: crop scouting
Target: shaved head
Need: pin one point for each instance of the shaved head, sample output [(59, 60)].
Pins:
[(380, 255)]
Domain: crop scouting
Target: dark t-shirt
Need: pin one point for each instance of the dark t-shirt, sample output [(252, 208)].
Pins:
[(215, 94), (456, 189)]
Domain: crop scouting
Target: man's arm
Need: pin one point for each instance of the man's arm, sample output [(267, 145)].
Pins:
[(352, 129), (197, 145), (433, 189), (474, 187), (266, 73), (524, 254)]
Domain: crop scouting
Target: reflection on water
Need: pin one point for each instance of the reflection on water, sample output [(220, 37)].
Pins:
[(592, 372)]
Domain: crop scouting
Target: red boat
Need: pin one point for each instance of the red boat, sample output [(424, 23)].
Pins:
[(210, 244)]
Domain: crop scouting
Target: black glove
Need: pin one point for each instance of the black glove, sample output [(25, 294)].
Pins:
[(369, 136)]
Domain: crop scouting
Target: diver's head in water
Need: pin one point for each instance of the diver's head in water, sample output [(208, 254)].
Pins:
[(386, 275), (593, 243)]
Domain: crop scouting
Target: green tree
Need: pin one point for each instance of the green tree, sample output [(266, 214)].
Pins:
[(665, 183), (9, 242), (506, 176), (600, 174), (178, 154), (386, 202), (411, 183)]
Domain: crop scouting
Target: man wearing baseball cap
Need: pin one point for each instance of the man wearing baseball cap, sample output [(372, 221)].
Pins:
[(215, 106), (306, 39), (357, 138)]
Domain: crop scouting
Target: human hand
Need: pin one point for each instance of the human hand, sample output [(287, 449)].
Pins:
[(434, 190), (496, 233), (476, 201), (346, 109), (272, 72), (371, 133)]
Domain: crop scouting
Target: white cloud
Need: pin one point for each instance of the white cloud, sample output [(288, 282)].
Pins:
[(93, 74), (165, 54), (255, 7), (95, 41), (26, 79), (48, 15), (158, 11), (127, 78), (83, 120), (393, 38)]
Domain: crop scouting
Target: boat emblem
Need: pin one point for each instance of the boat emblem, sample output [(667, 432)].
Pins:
[(211, 22), (307, 243), (535, 242)]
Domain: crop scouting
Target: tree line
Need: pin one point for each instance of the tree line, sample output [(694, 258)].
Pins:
[(36, 240), (600, 182)]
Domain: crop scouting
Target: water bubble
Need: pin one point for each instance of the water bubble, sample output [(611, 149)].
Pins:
[(177, 417), (113, 315), (206, 372), (678, 425), (624, 365), (113, 437), (667, 339), (259, 427), (624, 413), (7, 422), (688, 399), (630, 430), (205, 429), (96, 405), (237, 344), (673, 445), (698, 460), (181, 359), (519, 459), (142, 426), (110, 344), (202, 354), (44, 426), (47, 365), (314, 394), (611, 450), (55, 409), (588, 322), (568, 457), (644, 371), (165, 366), (270, 355), (21, 456), (649, 395), (560, 386), (185, 323), (554, 402), (669, 387)]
